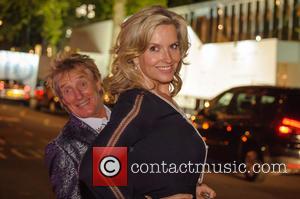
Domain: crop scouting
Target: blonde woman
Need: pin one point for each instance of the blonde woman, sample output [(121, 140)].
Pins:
[(149, 53)]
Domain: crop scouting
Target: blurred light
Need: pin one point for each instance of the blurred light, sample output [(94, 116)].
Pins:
[(278, 2), (1, 85), (228, 128), (193, 117), (39, 93), (31, 51), (91, 7), (247, 133), (13, 49), (15, 93), (1, 22), (220, 27), (284, 130), (56, 99), (91, 14), (188, 115), (68, 33), (220, 11), (106, 97), (49, 52), (258, 38), (38, 49), (284, 76), (27, 88), (291, 122), (81, 11), (206, 104), (67, 48), (263, 148), (205, 125), (86, 11), (244, 138)]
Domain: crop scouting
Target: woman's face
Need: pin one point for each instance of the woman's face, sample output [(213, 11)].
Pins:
[(160, 60)]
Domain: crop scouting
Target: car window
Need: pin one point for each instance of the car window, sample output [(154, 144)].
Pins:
[(292, 105), (245, 104), (268, 105), (222, 103)]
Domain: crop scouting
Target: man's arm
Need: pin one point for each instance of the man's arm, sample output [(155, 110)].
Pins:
[(63, 172)]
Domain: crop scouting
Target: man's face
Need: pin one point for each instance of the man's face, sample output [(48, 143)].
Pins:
[(80, 93)]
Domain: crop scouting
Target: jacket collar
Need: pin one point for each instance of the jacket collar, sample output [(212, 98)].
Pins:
[(82, 131)]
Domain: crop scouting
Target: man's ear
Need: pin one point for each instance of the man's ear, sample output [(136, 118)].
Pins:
[(62, 101)]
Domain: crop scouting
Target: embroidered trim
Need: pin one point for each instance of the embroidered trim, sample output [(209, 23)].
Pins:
[(124, 123), (118, 132), (117, 192)]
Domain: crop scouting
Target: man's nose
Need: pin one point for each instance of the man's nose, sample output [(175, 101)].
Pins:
[(78, 94)]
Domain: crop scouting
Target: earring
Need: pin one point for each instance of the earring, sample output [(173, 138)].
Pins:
[(135, 67)]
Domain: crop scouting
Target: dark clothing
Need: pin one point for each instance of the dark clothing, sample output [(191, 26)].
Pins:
[(154, 132), (63, 156)]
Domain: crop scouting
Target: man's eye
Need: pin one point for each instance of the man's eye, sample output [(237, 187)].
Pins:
[(83, 84), (66, 91)]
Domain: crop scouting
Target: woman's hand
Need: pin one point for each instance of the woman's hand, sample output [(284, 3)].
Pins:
[(205, 192)]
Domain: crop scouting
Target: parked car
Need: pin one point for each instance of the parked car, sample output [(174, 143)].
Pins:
[(44, 99), (253, 124), (14, 90)]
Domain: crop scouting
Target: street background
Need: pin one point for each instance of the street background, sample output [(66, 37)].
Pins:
[(24, 133)]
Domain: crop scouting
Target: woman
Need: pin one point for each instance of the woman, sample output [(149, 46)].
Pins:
[(149, 53)]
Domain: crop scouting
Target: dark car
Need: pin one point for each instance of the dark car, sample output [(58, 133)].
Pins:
[(253, 124), (44, 99)]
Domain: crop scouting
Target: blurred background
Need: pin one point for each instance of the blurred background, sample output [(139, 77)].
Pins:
[(244, 56)]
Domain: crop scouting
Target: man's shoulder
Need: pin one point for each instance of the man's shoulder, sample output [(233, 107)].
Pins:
[(64, 140)]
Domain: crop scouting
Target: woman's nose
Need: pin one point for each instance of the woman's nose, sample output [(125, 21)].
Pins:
[(167, 57)]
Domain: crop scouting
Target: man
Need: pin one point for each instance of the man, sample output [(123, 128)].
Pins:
[(76, 80)]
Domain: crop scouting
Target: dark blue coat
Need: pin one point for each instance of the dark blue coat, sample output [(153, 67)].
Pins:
[(153, 130)]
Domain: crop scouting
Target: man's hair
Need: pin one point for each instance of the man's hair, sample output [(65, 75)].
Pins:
[(133, 40), (64, 63)]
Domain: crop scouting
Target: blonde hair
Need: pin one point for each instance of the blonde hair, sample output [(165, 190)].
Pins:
[(64, 63), (132, 42)]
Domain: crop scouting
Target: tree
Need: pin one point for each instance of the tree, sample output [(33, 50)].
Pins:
[(134, 6), (26, 23), (21, 26)]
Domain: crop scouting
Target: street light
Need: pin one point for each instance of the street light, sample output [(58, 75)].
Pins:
[(86, 10)]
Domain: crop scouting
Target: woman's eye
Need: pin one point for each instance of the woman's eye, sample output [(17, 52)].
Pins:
[(153, 48), (174, 46)]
